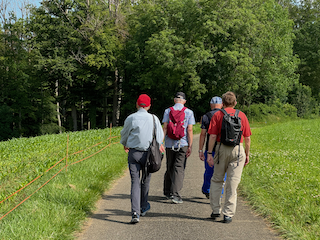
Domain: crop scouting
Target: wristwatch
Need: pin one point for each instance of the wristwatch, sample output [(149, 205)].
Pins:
[(200, 151)]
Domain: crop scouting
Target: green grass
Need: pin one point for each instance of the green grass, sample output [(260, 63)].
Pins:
[(196, 129), (282, 180), (57, 210)]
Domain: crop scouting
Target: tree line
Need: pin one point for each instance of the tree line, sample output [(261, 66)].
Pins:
[(71, 65)]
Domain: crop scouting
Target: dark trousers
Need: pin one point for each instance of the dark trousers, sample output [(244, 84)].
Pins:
[(139, 189), (176, 164)]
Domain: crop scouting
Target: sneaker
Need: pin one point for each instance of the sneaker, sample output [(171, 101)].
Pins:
[(169, 196), (207, 194), (214, 215), (227, 219), (135, 218), (144, 211), (176, 199)]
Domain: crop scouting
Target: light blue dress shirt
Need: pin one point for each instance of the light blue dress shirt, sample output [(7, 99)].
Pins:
[(188, 119), (137, 131)]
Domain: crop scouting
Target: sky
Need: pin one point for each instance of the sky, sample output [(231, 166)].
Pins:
[(15, 5)]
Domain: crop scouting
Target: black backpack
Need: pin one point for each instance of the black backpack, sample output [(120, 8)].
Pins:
[(231, 129)]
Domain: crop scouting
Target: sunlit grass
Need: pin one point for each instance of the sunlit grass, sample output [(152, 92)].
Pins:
[(60, 207), (282, 180)]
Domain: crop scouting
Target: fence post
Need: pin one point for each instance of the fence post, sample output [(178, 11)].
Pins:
[(67, 152)]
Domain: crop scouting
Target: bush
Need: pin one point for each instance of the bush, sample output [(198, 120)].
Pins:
[(262, 112)]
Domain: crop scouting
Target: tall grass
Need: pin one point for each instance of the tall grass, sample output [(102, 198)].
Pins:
[(282, 180), (59, 208)]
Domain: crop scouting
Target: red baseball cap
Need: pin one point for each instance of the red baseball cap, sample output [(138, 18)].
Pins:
[(144, 100)]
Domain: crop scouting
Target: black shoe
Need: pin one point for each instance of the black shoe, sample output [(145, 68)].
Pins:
[(176, 199), (215, 215), (207, 194), (169, 196), (135, 218), (227, 219)]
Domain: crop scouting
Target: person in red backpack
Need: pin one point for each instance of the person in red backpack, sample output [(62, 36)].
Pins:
[(177, 122)]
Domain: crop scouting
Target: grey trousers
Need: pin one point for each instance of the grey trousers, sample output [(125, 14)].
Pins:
[(176, 164), (139, 189)]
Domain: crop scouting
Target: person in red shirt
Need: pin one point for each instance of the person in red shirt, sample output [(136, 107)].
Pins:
[(228, 159)]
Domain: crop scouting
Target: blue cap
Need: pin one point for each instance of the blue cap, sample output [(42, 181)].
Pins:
[(216, 100)]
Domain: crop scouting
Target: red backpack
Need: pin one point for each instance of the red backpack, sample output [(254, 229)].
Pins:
[(175, 129)]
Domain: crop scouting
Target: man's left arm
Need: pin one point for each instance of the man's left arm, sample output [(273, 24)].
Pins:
[(190, 139)]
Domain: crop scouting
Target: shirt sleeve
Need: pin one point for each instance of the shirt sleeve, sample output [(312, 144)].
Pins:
[(191, 120), (159, 130), (166, 116), (204, 122), (125, 132), (246, 126), (214, 126)]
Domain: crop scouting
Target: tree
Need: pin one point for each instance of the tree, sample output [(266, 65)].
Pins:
[(306, 44), (78, 46), (164, 51), (208, 47), (252, 42)]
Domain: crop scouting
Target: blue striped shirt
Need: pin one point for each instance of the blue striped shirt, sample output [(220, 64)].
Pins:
[(188, 120), (138, 130)]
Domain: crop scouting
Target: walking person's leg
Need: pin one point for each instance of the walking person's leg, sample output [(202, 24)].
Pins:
[(167, 183), (207, 176), (145, 183), (178, 173), (217, 181), (234, 173), (134, 157)]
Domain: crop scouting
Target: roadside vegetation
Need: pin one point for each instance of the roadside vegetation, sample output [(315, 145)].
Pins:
[(283, 178), (58, 209), (281, 182)]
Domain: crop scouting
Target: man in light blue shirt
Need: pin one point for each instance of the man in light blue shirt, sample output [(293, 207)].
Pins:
[(136, 136), (177, 151)]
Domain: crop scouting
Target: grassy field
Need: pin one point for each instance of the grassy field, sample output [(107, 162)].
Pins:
[(58, 209), (282, 180)]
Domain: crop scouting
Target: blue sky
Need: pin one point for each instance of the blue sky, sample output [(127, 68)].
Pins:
[(15, 5)]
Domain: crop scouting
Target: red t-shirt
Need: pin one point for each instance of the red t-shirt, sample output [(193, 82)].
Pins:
[(216, 122)]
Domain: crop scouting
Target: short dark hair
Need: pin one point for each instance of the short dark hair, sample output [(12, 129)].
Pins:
[(229, 99)]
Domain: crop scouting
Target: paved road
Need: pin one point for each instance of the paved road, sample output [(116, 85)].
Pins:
[(190, 220)]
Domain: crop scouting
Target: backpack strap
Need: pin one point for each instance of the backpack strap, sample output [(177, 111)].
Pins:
[(145, 172), (236, 114), (224, 111)]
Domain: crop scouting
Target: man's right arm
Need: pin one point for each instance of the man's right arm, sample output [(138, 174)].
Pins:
[(247, 149), (212, 141), (125, 134)]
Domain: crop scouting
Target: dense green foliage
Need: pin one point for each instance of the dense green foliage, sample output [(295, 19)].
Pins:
[(72, 65), (59, 208), (282, 179)]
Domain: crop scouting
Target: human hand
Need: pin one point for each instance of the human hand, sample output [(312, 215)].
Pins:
[(189, 152), (201, 156), (162, 148), (247, 161), (126, 149), (210, 160)]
